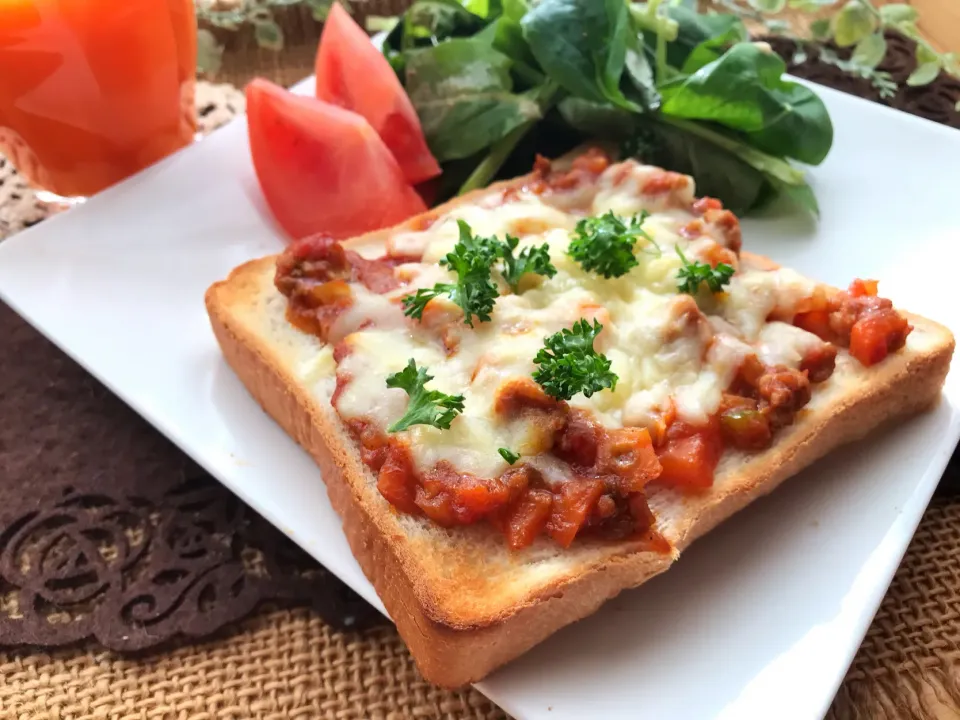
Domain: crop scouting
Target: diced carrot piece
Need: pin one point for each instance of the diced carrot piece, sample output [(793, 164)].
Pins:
[(571, 508)]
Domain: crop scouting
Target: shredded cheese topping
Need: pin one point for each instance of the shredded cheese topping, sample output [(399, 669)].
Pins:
[(660, 346)]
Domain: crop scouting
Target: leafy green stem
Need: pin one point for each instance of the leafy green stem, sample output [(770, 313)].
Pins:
[(661, 57), (527, 74), (501, 150), (491, 164), (653, 8)]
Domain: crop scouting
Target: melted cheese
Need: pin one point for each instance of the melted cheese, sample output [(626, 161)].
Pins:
[(658, 349), (754, 295), (783, 344)]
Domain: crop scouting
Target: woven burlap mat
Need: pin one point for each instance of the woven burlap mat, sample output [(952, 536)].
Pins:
[(288, 664)]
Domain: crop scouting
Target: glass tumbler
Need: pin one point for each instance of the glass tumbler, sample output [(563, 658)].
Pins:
[(91, 91)]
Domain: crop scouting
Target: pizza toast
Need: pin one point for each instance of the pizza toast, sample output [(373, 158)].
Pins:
[(465, 601)]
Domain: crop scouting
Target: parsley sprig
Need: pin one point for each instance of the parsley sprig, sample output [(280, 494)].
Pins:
[(509, 455), (693, 274), (530, 260), (426, 407), (474, 290), (472, 259), (569, 364), (605, 244)]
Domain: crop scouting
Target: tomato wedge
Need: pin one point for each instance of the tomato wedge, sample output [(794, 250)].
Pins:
[(353, 74), (323, 169)]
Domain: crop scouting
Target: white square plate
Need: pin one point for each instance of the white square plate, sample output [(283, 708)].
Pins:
[(759, 620)]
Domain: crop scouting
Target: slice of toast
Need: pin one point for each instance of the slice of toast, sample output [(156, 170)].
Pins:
[(462, 601)]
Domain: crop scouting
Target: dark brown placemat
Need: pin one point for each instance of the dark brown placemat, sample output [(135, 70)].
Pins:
[(109, 531)]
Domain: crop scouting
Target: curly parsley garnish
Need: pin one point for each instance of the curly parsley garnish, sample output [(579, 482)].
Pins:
[(472, 260), (415, 304), (426, 407), (605, 244), (530, 260), (695, 273), (569, 364), (474, 291), (508, 455)]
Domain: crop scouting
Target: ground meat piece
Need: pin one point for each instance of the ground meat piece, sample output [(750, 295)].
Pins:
[(519, 394), (318, 258), (449, 497), (782, 392), (856, 318), (628, 454), (701, 205), (850, 309), (746, 428), (820, 362), (321, 259), (729, 227), (664, 181), (585, 168), (579, 441)]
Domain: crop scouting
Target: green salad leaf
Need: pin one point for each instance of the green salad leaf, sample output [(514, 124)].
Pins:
[(581, 45), (743, 89), (712, 48), (509, 39), (465, 84), (720, 173), (495, 82), (695, 29), (427, 22), (640, 86)]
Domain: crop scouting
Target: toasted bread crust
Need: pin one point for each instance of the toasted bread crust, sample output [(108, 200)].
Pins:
[(459, 624)]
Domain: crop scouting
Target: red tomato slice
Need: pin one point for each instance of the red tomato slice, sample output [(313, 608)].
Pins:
[(323, 169), (352, 73)]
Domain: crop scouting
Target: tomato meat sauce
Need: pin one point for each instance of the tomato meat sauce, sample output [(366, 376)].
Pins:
[(856, 318), (585, 168), (602, 495), (315, 273)]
